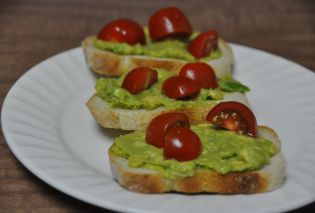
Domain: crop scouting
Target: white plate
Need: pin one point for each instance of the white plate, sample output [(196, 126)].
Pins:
[(49, 129)]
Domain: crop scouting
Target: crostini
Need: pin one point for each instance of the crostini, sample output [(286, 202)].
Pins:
[(168, 42), (228, 154)]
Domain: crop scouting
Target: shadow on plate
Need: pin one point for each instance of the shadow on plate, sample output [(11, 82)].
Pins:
[(112, 133)]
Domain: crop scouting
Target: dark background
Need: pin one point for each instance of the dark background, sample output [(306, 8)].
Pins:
[(31, 31)]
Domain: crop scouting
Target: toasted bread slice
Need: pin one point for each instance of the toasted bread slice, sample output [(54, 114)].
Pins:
[(111, 64), (268, 178), (128, 119)]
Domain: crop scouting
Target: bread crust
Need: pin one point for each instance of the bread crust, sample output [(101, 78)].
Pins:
[(110, 64), (127, 119), (268, 178)]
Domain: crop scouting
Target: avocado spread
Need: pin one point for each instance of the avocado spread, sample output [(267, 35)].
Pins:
[(110, 90), (222, 151), (169, 48)]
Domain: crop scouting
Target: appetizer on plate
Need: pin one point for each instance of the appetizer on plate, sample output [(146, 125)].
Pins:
[(194, 130), (132, 100), (228, 155), (168, 42)]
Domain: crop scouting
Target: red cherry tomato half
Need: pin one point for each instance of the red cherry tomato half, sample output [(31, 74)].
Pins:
[(234, 116), (182, 144), (201, 72), (139, 79), (169, 22), (122, 30), (204, 44), (160, 125), (178, 87)]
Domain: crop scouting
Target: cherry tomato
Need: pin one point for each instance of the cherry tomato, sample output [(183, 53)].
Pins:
[(201, 72), (169, 22), (233, 116), (160, 125), (139, 79), (178, 87), (204, 44), (182, 144), (122, 30)]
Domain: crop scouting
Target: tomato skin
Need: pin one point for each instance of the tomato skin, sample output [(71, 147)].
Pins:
[(160, 125), (139, 79), (182, 144), (204, 44), (178, 87), (169, 22), (233, 116), (201, 72), (122, 30)]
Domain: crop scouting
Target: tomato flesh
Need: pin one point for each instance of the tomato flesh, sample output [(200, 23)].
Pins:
[(204, 44), (200, 72), (182, 144), (122, 30), (160, 125), (234, 116), (178, 87), (169, 22), (139, 79)]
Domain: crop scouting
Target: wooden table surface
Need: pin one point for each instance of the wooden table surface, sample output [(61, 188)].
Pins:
[(33, 30)]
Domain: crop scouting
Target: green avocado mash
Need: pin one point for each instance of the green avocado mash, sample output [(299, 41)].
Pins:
[(169, 48), (110, 90), (222, 151)]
